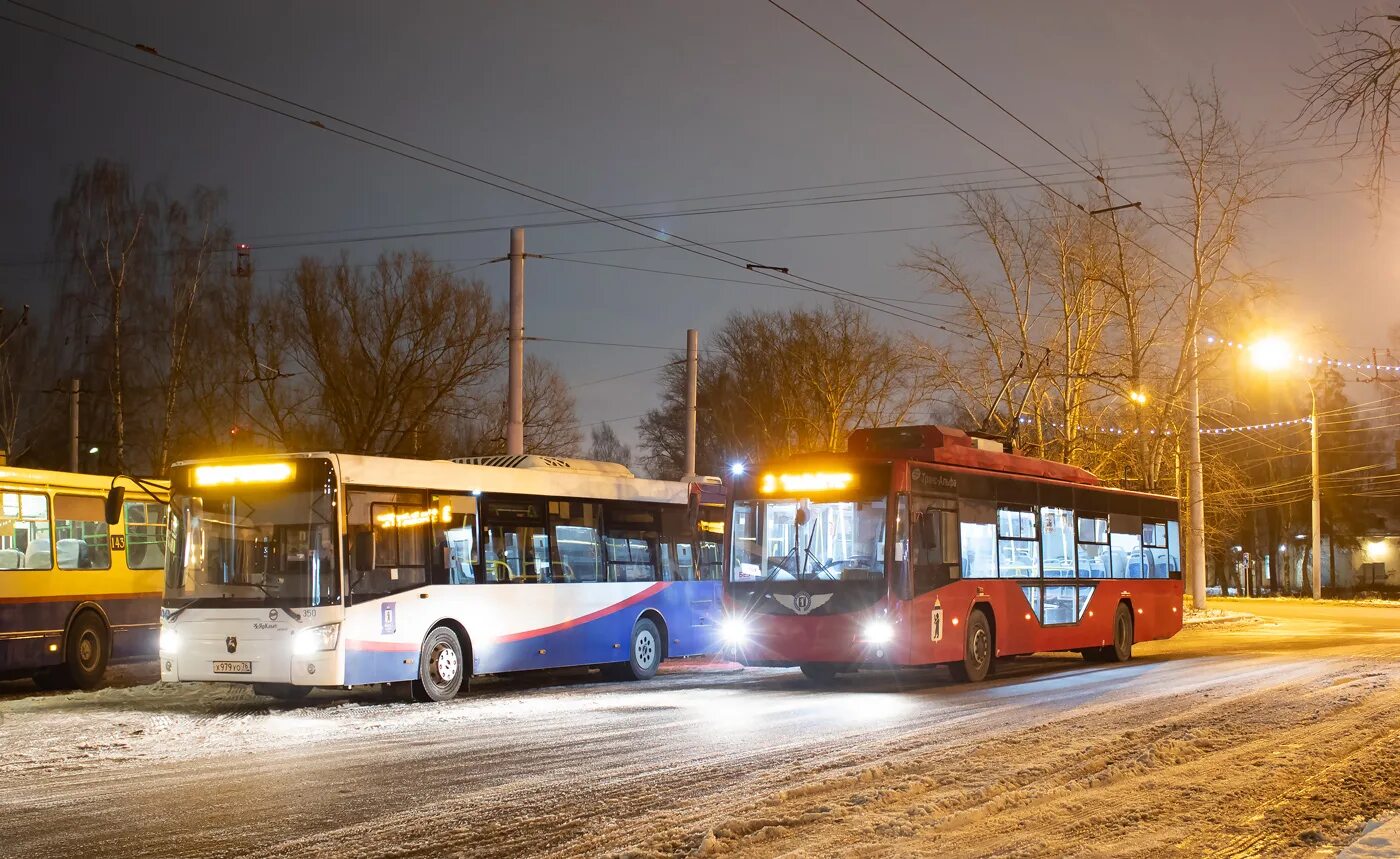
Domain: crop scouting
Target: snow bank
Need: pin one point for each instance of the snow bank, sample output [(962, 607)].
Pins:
[(1380, 839)]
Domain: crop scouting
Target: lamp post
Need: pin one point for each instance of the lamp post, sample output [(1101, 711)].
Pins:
[(1273, 354), (1196, 484)]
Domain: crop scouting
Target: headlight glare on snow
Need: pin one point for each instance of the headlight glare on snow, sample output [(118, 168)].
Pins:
[(877, 632), (316, 639), (734, 631), (169, 640)]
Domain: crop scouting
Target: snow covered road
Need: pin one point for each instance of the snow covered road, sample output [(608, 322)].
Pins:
[(1249, 739)]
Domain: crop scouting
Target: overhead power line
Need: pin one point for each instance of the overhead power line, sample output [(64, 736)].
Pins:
[(463, 169)]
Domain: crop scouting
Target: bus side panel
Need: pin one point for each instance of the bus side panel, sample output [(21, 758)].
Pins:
[(135, 623), (518, 627), (27, 630)]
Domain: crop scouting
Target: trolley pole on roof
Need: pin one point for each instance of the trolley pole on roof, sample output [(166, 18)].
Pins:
[(692, 384), (73, 388), (515, 397)]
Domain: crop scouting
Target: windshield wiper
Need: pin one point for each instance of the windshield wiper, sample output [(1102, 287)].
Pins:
[(262, 587), (177, 612)]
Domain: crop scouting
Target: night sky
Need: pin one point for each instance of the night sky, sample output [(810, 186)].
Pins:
[(644, 102)]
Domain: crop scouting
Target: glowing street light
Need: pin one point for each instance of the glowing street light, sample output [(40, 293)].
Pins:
[(737, 469), (1272, 354), (1138, 397)]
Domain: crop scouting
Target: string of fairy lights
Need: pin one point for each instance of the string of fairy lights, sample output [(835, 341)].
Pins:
[(1126, 431), (1310, 360)]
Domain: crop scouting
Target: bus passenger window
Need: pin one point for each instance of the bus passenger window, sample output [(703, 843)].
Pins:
[(145, 535), (1057, 542), (1125, 541), (1093, 547), (979, 539), (454, 540), (1016, 540), (515, 553), (578, 553), (1154, 550), (80, 529), (24, 531)]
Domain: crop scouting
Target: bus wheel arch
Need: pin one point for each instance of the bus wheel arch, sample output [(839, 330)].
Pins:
[(1124, 635), (646, 647), (662, 630), (87, 647)]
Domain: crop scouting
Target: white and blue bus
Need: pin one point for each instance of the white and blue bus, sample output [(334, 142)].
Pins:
[(320, 569)]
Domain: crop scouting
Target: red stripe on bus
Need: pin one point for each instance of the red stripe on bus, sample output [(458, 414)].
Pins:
[(382, 646), (569, 624)]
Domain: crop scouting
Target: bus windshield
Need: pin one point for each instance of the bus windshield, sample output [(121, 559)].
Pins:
[(835, 540), (250, 544)]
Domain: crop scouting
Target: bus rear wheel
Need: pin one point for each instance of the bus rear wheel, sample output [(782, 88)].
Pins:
[(979, 651), (1121, 650), (85, 653), (442, 668), (645, 654)]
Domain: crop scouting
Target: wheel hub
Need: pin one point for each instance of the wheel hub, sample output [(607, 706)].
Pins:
[(979, 646), (444, 664), (87, 650), (645, 650)]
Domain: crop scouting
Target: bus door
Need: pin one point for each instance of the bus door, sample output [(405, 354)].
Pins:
[(936, 562)]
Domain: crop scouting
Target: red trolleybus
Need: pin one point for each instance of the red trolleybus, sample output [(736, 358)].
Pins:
[(923, 545)]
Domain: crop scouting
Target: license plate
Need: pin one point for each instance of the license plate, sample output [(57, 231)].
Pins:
[(233, 668)]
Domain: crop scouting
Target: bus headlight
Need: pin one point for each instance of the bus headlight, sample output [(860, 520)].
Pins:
[(169, 640), (734, 631), (877, 632), (316, 639)]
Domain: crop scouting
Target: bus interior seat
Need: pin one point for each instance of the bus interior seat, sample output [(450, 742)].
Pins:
[(11, 559), (73, 554), (37, 556)]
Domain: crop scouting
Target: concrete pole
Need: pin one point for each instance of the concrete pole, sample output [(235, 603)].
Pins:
[(1196, 485), (1316, 501), (73, 388), (515, 397), (692, 386)]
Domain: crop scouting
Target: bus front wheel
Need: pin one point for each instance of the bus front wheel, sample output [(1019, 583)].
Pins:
[(820, 673), (442, 669), (979, 651)]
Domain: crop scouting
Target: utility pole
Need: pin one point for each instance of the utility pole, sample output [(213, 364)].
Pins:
[(515, 397), (692, 385), (1316, 498), (1196, 483), (73, 387)]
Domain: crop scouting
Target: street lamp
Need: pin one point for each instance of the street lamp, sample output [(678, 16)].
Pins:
[(1271, 355)]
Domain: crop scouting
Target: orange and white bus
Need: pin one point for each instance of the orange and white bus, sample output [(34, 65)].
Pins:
[(75, 591)]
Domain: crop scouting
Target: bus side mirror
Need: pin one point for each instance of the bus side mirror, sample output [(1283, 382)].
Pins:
[(115, 497), (364, 551)]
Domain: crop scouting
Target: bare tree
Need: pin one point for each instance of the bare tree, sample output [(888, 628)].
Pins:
[(605, 446), (774, 383), (551, 425), (1350, 91), (104, 240), (388, 354)]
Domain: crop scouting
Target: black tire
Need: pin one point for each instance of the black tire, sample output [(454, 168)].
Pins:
[(281, 691), (86, 649), (442, 667), (645, 653), (979, 651), (1122, 647), (820, 673)]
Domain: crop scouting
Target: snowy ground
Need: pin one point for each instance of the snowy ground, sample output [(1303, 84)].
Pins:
[(1276, 738)]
